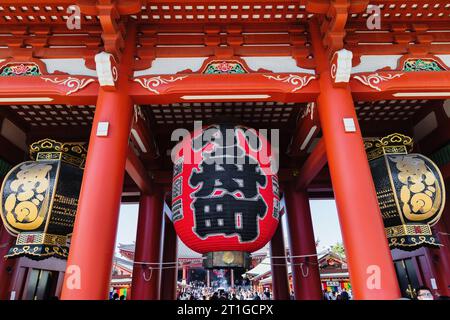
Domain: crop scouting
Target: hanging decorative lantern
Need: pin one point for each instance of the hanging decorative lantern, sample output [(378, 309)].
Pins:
[(225, 196), (39, 199), (410, 191)]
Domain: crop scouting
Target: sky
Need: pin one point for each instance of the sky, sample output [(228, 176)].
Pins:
[(324, 216), (325, 223)]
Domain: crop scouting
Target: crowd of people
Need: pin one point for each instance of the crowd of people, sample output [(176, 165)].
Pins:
[(420, 293), (199, 291), (337, 295), (116, 296), (424, 293)]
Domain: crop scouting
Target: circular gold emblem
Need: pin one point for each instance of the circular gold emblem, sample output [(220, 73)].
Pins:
[(228, 257)]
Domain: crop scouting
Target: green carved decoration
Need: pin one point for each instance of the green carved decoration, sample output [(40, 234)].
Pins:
[(20, 69), (422, 65), (224, 67)]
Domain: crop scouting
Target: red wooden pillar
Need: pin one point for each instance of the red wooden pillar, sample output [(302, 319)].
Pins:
[(185, 274), (442, 260), (280, 284), (169, 271), (371, 269), (147, 263), (92, 247), (6, 265), (305, 270)]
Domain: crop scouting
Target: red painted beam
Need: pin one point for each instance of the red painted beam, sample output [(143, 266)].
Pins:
[(280, 87), (49, 89), (137, 172), (383, 85), (312, 166)]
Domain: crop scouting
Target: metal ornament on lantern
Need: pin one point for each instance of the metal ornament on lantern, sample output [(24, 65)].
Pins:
[(410, 191), (39, 199), (225, 194)]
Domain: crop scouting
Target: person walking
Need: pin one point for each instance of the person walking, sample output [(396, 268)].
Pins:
[(345, 295), (424, 293)]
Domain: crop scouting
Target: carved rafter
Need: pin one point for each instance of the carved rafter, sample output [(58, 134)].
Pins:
[(332, 24), (110, 13)]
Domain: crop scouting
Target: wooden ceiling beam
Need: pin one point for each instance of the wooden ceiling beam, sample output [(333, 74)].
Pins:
[(308, 127), (142, 136), (138, 173), (312, 166), (10, 152)]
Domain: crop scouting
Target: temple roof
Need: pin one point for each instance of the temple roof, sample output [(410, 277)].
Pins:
[(264, 268)]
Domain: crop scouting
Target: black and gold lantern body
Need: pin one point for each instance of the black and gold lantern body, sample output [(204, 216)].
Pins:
[(39, 199), (410, 191)]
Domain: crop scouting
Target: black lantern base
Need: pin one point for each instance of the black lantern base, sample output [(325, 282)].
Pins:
[(38, 251), (226, 259), (38, 246), (410, 237), (411, 243)]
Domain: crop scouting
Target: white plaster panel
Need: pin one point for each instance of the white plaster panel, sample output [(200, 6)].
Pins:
[(371, 63), (275, 64), (74, 66), (445, 58), (172, 66)]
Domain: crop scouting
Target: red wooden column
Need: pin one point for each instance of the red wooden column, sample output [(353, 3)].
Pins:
[(371, 269), (6, 265), (92, 247), (185, 274), (442, 263), (280, 283), (305, 270), (170, 271), (147, 262)]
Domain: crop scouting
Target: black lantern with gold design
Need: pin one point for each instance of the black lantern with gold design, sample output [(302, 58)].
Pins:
[(410, 191), (38, 200)]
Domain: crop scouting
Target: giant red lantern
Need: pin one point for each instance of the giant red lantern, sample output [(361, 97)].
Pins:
[(225, 195)]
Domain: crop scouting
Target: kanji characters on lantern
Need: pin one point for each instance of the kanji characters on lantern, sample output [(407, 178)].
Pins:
[(229, 216), (225, 193), (410, 190), (38, 199), (29, 197)]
